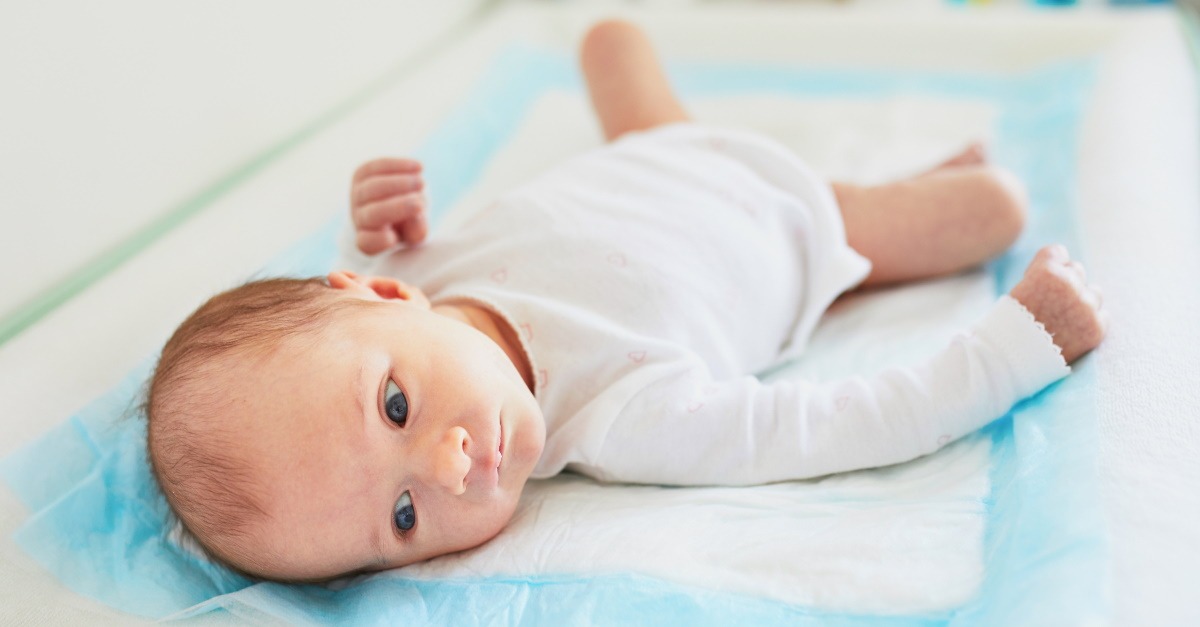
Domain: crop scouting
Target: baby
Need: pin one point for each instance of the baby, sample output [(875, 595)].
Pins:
[(604, 319)]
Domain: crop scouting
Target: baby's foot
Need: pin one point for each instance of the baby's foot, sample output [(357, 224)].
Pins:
[(974, 154)]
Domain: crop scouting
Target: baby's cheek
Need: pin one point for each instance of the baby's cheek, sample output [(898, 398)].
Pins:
[(505, 366), (528, 442), (488, 525)]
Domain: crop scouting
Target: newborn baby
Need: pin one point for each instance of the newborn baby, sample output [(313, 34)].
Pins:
[(606, 319)]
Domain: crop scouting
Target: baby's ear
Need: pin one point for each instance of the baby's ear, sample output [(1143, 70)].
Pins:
[(377, 288)]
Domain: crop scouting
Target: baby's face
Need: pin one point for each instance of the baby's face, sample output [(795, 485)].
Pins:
[(397, 435)]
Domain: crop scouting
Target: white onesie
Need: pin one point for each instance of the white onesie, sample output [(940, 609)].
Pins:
[(649, 278)]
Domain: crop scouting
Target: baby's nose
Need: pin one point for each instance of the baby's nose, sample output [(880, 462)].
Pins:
[(451, 462)]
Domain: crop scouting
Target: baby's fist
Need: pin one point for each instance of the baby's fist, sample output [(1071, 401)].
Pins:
[(387, 204), (1055, 290)]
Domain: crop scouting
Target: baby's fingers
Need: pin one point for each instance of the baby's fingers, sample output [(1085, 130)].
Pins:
[(1052, 253), (386, 165), (377, 241), (383, 186), (390, 212), (414, 230)]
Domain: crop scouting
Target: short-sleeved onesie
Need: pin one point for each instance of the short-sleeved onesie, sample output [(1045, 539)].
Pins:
[(649, 278)]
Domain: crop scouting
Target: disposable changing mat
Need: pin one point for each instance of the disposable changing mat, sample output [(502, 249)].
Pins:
[(996, 528)]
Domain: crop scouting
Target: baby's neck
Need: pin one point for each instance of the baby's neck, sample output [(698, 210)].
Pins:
[(494, 327)]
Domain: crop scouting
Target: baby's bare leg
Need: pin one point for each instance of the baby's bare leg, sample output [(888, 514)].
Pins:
[(934, 224), (627, 85), (940, 222)]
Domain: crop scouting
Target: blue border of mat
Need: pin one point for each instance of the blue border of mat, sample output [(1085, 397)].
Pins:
[(1045, 549)]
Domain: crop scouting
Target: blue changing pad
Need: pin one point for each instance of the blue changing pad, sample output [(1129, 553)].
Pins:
[(99, 523)]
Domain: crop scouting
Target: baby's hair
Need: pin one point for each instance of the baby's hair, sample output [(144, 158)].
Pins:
[(191, 424)]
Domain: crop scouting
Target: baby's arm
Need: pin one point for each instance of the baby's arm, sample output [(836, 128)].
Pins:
[(686, 429), (387, 204)]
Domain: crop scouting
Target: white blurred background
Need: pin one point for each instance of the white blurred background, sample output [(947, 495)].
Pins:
[(119, 112)]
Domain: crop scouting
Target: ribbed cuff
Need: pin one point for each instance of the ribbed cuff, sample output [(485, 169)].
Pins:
[(1035, 359)]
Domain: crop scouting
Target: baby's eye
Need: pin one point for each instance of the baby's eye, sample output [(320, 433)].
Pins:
[(395, 404), (405, 515)]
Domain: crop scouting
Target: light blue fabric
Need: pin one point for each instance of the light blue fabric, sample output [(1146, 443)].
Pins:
[(98, 521)]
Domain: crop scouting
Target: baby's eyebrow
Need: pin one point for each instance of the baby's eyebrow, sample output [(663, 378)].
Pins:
[(360, 387), (377, 548)]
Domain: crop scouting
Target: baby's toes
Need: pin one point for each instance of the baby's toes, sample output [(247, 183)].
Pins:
[(976, 153)]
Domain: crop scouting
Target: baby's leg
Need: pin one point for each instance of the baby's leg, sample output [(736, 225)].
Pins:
[(937, 223), (627, 85)]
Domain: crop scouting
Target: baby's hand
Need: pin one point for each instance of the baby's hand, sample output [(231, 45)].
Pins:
[(1055, 290), (387, 204)]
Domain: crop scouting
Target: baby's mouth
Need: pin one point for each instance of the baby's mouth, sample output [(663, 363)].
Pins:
[(500, 446)]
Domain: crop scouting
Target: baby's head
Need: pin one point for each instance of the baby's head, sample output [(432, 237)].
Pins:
[(304, 429)]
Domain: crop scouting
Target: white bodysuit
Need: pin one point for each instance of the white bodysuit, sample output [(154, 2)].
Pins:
[(649, 278)]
